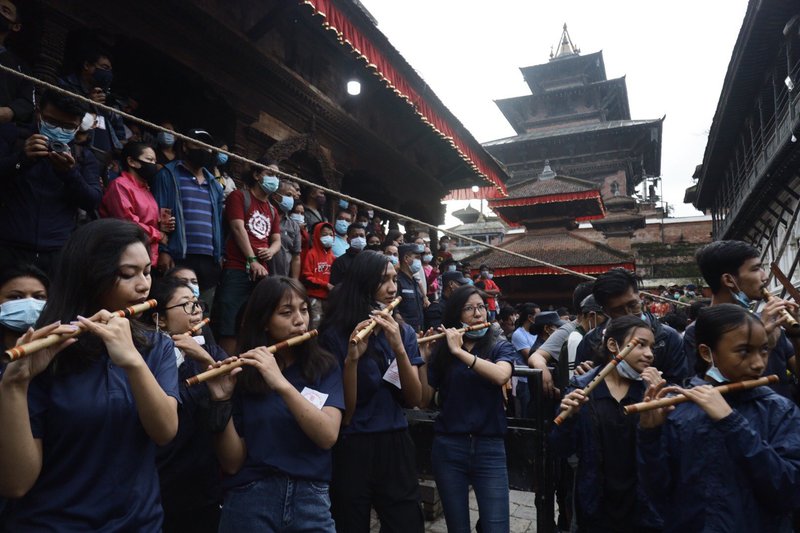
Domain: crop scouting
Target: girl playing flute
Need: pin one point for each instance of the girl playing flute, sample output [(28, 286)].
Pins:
[(469, 370), (374, 460), (188, 471), (81, 420), (727, 463), (286, 412), (607, 494)]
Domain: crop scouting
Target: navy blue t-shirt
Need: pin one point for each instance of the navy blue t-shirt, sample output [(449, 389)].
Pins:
[(98, 463), (275, 441), (471, 404), (378, 402)]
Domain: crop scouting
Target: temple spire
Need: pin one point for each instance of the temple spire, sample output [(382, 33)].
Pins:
[(566, 47)]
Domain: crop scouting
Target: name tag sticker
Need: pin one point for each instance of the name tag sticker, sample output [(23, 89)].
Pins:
[(392, 375), (316, 398), (408, 291), (178, 356), (199, 339)]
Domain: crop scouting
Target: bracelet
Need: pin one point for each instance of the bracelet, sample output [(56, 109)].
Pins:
[(251, 259), (473, 361), (219, 414)]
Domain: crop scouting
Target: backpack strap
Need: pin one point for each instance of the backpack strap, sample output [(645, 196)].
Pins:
[(246, 194)]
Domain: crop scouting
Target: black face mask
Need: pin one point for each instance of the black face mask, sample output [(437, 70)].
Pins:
[(103, 78), (374, 247), (147, 170), (200, 157)]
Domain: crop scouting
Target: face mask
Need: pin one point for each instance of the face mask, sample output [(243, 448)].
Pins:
[(676, 295), (297, 217), (326, 241), (490, 276), (427, 258), (643, 316), (19, 315), (627, 371), (165, 139), (484, 274), (200, 157), (344, 204), (470, 282), (742, 299), (451, 268), (269, 184), (476, 334), (195, 289), (370, 214), (374, 247), (393, 260), (56, 133), (287, 203), (222, 159), (415, 266), (341, 227), (103, 78), (715, 374), (147, 170), (358, 243)]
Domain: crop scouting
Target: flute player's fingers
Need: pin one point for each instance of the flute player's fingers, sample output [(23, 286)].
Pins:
[(26, 368), (221, 388)]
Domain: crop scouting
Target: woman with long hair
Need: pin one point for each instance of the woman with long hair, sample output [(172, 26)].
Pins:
[(469, 371), (277, 419), (23, 293), (374, 461), (81, 420)]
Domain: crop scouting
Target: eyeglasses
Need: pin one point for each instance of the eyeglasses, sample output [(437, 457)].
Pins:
[(190, 307), (634, 307), (473, 308)]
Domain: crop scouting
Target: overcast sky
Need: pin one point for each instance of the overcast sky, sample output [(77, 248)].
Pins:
[(674, 56)]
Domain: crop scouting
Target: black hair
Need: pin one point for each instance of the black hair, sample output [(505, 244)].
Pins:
[(63, 103), (351, 301), (505, 312), (526, 310), (162, 291), (353, 227), (676, 320), (617, 329), (561, 311), (393, 235), (177, 268), (582, 290), (715, 321), (696, 306), (92, 54), (87, 269), (267, 295), (23, 271), (723, 257), (451, 318), (134, 150), (613, 283)]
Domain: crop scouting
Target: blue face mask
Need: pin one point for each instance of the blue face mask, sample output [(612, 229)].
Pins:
[(627, 371), (714, 373), (297, 217), (393, 260), (742, 299), (344, 204), (427, 258), (222, 159), (341, 227), (358, 243), (415, 266), (56, 133), (19, 315), (269, 184), (451, 268), (490, 276), (165, 139), (326, 241), (195, 289), (420, 248), (475, 334), (287, 203)]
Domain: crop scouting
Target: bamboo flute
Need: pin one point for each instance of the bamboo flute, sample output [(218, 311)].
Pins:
[(198, 327), (791, 322), (723, 389), (566, 413), (437, 336), (214, 372), (364, 333), (12, 354)]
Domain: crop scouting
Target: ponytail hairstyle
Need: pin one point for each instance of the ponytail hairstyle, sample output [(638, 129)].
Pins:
[(314, 361), (714, 322), (617, 329)]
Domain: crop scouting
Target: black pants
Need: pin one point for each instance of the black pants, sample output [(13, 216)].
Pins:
[(12, 256), (376, 469)]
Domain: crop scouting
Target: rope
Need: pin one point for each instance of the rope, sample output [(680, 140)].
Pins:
[(237, 157)]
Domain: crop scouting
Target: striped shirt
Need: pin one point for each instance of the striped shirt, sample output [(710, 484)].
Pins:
[(197, 215)]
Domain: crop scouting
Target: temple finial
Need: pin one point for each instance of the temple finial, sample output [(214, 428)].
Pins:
[(566, 46)]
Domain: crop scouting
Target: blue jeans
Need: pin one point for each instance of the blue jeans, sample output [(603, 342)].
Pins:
[(463, 460), (278, 504)]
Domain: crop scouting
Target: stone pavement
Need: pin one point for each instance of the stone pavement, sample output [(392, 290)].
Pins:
[(523, 515)]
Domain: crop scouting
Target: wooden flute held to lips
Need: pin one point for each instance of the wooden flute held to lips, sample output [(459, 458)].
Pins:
[(12, 354), (198, 327), (227, 368), (364, 333), (791, 322), (566, 413), (437, 336), (723, 389)]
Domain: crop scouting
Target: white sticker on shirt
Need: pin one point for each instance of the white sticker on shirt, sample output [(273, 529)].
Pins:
[(392, 375), (409, 291), (316, 398), (199, 339)]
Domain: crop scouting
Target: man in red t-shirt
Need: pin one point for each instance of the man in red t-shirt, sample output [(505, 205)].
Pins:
[(488, 286), (255, 236)]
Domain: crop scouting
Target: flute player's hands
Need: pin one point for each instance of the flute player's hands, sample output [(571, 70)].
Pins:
[(221, 387), (22, 371), (653, 418), (574, 400), (115, 332), (264, 361), (355, 351), (709, 400)]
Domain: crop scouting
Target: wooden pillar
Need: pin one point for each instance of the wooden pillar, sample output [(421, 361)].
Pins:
[(51, 49)]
